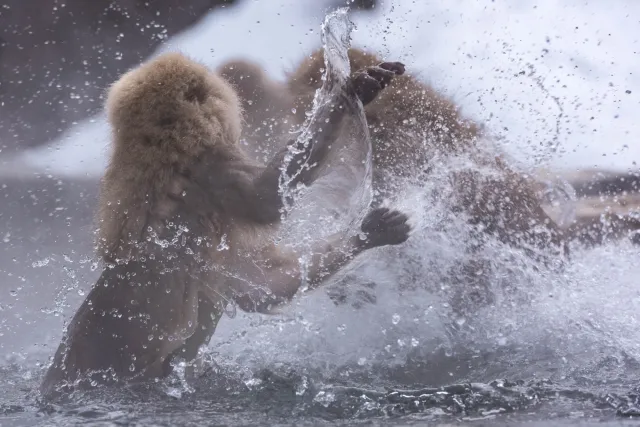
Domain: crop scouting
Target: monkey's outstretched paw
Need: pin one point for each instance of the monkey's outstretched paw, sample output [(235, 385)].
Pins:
[(369, 81), (383, 226)]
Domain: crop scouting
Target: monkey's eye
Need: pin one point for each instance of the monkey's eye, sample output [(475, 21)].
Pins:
[(197, 93)]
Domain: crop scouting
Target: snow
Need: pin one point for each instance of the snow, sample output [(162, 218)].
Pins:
[(583, 54)]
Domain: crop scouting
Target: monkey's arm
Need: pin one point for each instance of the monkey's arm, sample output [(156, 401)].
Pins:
[(277, 276), (276, 280), (301, 159), (253, 192)]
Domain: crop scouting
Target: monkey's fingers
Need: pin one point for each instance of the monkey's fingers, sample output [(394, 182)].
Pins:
[(398, 234), (372, 221), (396, 218), (378, 213), (366, 87), (390, 213), (383, 76), (404, 229), (396, 67)]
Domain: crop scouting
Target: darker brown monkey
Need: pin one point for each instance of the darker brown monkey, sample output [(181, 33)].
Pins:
[(265, 102), (184, 221), (410, 123)]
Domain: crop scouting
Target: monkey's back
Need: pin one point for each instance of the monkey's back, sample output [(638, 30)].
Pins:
[(135, 316)]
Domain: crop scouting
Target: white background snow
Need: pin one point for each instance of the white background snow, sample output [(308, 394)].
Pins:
[(584, 55)]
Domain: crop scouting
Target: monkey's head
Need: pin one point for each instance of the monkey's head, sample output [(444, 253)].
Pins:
[(173, 104), (263, 99), (246, 77)]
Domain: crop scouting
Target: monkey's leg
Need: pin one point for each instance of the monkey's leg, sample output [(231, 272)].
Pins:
[(508, 209), (209, 314), (280, 274)]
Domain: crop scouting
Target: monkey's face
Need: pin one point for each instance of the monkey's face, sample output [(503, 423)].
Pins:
[(174, 103)]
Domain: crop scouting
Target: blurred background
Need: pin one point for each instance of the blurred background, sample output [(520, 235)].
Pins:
[(555, 82)]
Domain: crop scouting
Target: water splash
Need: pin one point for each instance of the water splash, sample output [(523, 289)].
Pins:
[(560, 195), (343, 191)]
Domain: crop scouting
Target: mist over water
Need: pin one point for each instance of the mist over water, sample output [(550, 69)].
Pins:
[(340, 196), (553, 343)]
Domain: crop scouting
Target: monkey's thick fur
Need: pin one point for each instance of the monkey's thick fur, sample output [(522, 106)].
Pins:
[(184, 218), (410, 123)]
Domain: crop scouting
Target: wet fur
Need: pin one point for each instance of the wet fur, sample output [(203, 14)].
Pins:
[(166, 116)]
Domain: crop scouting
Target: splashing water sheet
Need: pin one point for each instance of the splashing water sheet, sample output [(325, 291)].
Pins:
[(563, 350), (343, 191)]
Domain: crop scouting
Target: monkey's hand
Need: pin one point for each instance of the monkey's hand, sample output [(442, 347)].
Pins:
[(369, 81), (383, 226)]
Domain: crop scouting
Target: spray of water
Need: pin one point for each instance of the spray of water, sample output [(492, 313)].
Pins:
[(343, 191), (578, 327)]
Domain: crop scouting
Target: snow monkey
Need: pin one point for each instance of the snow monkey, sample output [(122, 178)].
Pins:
[(410, 124), (184, 220)]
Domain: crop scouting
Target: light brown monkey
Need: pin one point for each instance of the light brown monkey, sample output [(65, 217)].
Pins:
[(184, 219)]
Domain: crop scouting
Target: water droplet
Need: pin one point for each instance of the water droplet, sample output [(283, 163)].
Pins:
[(40, 263), (395, 319), (222, 246)]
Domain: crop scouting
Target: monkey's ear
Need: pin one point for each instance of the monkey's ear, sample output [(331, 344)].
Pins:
[(197, 92)]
